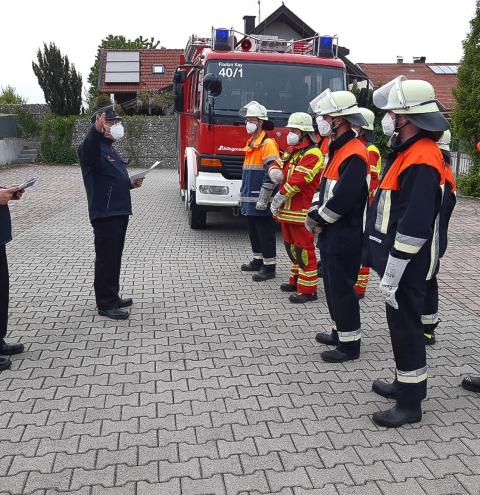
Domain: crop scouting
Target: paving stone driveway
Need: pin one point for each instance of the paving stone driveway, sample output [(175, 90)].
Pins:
[(214, 385)]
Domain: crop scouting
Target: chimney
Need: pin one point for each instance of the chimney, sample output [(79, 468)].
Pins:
[(249, 23), (419, 60), (399, 59)]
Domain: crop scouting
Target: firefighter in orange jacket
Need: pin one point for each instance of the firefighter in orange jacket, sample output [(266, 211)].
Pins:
[(365, 135), (337, 213), (430, 318), (302, 164), (402, 230)]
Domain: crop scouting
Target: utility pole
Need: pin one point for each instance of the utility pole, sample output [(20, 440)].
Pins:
[(259, 13)]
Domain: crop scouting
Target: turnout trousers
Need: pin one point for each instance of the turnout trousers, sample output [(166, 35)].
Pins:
[(430, 307), (4, 292), (339, 276), (300, 248), (109, 234), (261, 230)]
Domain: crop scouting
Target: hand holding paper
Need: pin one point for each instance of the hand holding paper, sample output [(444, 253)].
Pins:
[(141, 175)]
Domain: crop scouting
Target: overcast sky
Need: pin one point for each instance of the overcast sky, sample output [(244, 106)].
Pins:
[(373, 30)]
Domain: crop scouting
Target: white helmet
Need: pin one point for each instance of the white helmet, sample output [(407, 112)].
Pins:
[(445, 140), (414, 98), (369, 117), (301, 121), (338, 104), (254, 109)]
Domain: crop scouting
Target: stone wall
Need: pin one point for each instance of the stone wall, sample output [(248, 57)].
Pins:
[(10, 148), (38, 111), (146, 140)]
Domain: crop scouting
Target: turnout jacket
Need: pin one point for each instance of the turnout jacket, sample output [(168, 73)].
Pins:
[(105, 177), (302, 166), (448, 204), (259, 155), (342, 196), (404, 217), (375, 165)]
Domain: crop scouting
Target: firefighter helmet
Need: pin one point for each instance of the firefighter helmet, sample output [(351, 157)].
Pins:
[(338, 104), (445, 140), (415, 99), (369, 117), (301, 121), (254, 109)]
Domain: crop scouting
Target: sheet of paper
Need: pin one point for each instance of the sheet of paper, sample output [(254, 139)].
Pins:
[(27, 183), (141, 175)]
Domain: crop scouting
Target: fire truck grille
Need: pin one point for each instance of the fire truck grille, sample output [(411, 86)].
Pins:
[(232, 166)]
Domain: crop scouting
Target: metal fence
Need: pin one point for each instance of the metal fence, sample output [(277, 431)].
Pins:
[(461, 160)]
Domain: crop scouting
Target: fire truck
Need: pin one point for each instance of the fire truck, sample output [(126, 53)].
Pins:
[(218, 76)]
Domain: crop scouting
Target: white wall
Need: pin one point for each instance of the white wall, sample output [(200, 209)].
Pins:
[(10, 148)]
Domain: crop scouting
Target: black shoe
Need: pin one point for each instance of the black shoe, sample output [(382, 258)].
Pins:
[(302, 298), (10, 349), (253, 266), (5, 363), (471, 383), (338, 356), (398, 415), (387, 390), (287, 287), (325, 338), (265, 273), (429, 338), (125, 303), (114, 313)]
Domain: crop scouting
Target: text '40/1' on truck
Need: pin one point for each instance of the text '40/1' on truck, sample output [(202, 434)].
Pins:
[(218, 77)]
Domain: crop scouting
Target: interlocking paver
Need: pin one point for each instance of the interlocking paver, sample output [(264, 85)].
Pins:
[(214, 385)]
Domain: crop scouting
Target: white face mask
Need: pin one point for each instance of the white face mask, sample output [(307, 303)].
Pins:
[(388, 125), (324, 127), (117, 131), (251, 127), (292, 139)]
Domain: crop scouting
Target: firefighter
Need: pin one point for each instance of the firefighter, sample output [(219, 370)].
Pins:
[(401, 225), (323, 143), (259, 180), (430, 319), (365, 134), (302, 164), (337, 214)]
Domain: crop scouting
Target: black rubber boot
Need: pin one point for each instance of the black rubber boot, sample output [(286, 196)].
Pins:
[(385, 389), (5, 363), (327, 339), (287, 287), (302, 298), (114, 313), (400, 414), (252, 266), (125, 303), (319, 269), (266, 273), (342, 353), (10, 349), (471, 383)]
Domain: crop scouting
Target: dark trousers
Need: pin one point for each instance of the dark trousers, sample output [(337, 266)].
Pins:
[(109, 236), (430, 306), (261, 230), (339, 277), (4, 292), (406, 330)]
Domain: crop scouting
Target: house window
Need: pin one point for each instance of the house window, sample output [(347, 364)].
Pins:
[(158, 69)]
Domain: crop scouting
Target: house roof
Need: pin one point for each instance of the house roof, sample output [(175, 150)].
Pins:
[(168, 57), (443, 84)]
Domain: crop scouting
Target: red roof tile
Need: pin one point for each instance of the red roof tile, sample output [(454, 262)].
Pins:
[(168, 57), (442, 83)]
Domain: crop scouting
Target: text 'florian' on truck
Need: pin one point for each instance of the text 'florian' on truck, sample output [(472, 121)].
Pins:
[(218, 77)]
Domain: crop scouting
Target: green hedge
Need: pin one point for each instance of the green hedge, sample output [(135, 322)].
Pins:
[(56, 139)]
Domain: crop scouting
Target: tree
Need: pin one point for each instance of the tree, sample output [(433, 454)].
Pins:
[(60, 82), (9, 96), (465, 117), (115, 42)]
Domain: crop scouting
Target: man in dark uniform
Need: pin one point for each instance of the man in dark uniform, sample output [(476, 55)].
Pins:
[(109, 205), (6, 195), (403, 232)]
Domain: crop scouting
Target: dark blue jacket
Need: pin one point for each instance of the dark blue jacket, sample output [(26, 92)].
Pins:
[(5, 225), (105, 177)]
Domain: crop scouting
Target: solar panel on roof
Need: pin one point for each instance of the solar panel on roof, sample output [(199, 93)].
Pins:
[(444, 69)]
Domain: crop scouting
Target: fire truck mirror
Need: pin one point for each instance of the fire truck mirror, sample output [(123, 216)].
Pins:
[(178, 97), (213, 84), (179, 77)]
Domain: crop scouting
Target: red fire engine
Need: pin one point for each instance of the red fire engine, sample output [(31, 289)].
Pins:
[(221, 75)]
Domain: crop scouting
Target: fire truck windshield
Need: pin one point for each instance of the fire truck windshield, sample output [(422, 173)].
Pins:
[(282, 88)]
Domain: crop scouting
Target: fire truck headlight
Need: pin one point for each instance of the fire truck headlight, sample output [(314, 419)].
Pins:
[(219, 190)]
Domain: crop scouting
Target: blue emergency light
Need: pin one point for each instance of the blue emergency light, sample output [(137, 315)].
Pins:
[(325, 46), (222, 40)]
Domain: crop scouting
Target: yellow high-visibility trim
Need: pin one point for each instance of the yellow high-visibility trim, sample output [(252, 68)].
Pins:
[(307, 283), (406, 248)]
